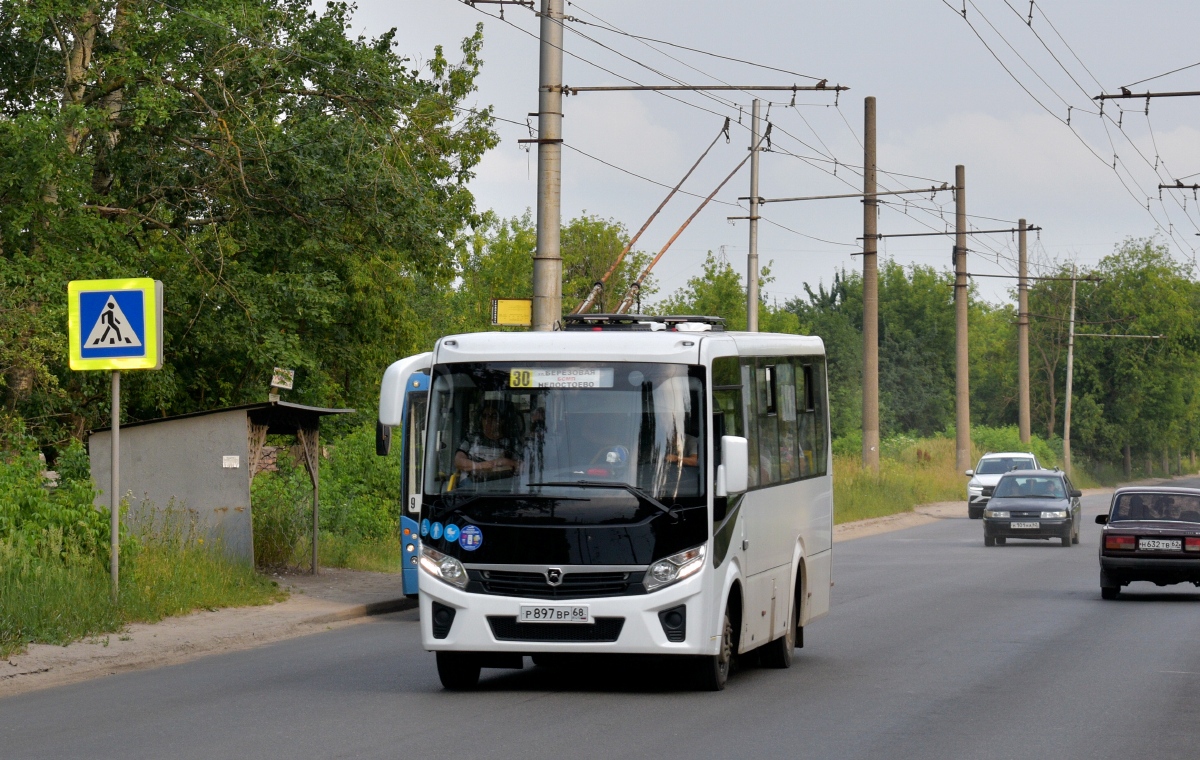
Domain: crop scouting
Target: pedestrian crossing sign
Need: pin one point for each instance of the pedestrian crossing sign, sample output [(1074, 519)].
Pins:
[(115, 324)]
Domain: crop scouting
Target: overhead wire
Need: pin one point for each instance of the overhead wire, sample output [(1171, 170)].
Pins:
[(1160, 76), (614, 29), (1054, 115), (1119, 124)]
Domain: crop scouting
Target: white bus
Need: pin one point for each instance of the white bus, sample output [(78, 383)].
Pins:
[(631, 484)]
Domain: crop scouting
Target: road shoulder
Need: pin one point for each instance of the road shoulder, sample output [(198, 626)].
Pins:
[(333, 599)]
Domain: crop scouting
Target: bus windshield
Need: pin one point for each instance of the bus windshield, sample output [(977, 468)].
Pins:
[(553, 428)]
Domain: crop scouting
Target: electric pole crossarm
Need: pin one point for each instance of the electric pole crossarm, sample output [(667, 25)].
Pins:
[(703, 88), (1179, 186), (1126, 95), (853, 195), (1107, 335), (1029, 277), (952, 232)]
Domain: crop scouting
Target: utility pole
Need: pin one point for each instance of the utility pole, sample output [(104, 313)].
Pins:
[(547, 259), (752, 256), (870, 377), (1070, 380), (962, 366), (1023, 335)]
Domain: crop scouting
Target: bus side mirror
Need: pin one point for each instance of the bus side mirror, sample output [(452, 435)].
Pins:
[(733, 474), (383, 439)]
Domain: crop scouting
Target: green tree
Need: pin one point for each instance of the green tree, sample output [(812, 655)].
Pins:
[(720, 291), (288, 183)]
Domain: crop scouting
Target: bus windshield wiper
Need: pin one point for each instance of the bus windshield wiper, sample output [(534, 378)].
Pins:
[(636, 491)]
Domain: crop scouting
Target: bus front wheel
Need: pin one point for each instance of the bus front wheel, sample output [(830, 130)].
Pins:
[(458, 670), (713, 670)]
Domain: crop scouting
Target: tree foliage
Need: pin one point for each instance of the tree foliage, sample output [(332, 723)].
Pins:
[(288, 183)]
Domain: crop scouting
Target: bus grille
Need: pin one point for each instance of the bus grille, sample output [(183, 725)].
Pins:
[(508, 629), (573, 586)]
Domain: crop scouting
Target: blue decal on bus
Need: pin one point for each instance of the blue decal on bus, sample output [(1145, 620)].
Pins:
[(425, 527), (451, 532), (471, 538), (435, 531)]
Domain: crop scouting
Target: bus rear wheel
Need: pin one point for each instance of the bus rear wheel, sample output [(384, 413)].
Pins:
[(713, 670), (458, 670)]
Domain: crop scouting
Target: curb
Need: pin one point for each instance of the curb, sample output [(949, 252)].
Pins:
[(366, 610)]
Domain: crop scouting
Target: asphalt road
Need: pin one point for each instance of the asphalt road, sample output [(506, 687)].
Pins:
[(936, 647)]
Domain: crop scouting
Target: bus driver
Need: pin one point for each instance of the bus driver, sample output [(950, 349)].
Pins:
[(487, 453)]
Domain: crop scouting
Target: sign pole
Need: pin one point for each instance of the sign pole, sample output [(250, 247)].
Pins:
[(115, 325), (114, 541)]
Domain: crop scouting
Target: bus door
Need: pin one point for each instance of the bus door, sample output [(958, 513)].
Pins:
[(412, 458)]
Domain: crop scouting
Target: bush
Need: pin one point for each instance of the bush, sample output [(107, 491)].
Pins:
[(1009, 439), (360, 490), (281, 512), (359, 512)]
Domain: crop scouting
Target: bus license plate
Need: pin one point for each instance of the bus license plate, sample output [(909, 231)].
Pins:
[(1160, 544), (554, 613), (1028, 525)]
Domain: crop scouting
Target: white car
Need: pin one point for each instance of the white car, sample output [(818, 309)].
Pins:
[(987, 474)]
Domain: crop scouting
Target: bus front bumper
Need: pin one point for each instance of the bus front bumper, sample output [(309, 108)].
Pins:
[(622, 624)]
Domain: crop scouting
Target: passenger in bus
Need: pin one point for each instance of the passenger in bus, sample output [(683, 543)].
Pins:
[(488, 453)]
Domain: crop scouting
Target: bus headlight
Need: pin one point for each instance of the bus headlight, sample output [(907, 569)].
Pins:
[(443, 567), (674, 568)]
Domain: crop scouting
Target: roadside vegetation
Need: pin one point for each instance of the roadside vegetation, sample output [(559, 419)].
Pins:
[(359, 509), (54, 583), (915, 471)]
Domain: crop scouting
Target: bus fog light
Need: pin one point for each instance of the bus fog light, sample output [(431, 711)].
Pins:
[(674, 568)]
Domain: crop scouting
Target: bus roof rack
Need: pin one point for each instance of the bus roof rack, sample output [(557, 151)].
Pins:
[(652, 322)]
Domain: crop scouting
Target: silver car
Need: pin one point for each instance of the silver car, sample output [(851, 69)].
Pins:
[(987, 474)]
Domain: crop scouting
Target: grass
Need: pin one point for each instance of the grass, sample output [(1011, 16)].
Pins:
[(59, 598), (381, 555), (906, 480), (903, 482)]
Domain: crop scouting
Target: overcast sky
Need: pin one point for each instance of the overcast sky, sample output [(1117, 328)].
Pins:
[(943, 99)]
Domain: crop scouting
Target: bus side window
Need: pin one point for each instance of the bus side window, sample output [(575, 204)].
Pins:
[(785, 393), (414, 449), (750, 416), (807, 421), (726, 414), (821, 414), (727, 404), (767, 421)]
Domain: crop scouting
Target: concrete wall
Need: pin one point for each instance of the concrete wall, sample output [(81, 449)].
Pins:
[(183, 460)]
